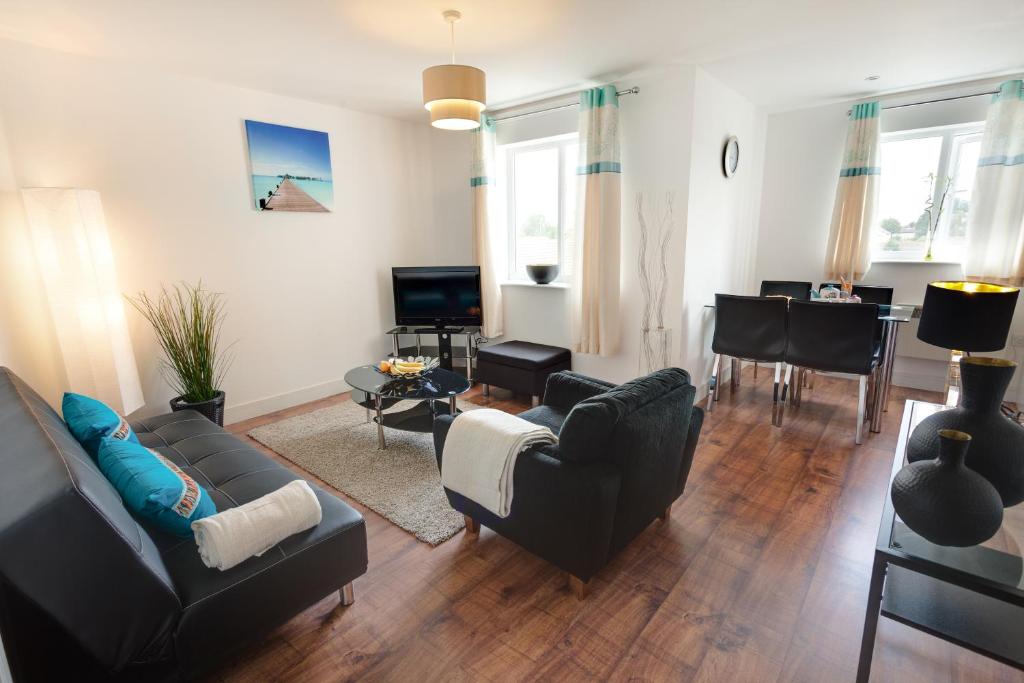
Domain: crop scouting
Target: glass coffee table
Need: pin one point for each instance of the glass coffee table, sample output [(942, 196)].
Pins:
[(435, 389), (972, 597)]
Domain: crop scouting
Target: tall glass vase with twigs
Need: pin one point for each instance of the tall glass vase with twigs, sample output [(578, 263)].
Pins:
[(935, 214), (187, 320), (656, 339)]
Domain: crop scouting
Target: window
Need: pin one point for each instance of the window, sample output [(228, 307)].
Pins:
[(541, 197), (917, 167)]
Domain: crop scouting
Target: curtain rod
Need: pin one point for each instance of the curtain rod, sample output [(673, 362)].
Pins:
[(941, 99), (628, 91)]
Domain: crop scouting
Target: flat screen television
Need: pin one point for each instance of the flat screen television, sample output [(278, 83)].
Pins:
[(437, 296)]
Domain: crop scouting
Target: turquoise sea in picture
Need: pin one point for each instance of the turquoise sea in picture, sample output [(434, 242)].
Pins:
[(291, 168)]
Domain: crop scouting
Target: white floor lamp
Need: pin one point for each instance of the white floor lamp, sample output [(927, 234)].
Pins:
[(76, 264)]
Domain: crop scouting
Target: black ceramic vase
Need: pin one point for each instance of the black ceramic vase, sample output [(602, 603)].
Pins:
[(997, 442), (542, 274), (943, 500)]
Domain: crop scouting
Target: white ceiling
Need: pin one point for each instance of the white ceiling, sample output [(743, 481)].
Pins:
[(368, 54)]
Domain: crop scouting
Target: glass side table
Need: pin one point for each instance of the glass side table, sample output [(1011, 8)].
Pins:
[(435, 389), (972, 597)]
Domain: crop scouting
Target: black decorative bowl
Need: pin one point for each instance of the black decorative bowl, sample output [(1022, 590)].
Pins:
[(542, 274)]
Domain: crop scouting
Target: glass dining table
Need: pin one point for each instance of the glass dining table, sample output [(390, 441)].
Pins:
[(891, 316)]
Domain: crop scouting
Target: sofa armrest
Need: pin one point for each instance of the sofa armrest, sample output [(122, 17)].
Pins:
[(692, 435), (442, 423), (565, 389)]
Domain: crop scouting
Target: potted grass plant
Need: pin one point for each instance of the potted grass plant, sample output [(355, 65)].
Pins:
[(187, 320)]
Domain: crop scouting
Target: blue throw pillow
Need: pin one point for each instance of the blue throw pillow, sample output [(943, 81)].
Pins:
[(90, 420), (153, 487)]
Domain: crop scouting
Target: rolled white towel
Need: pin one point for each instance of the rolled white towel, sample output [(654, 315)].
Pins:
[(227, 538)]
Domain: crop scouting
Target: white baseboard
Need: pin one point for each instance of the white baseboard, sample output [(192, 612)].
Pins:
[(918, 380), (262, 406)]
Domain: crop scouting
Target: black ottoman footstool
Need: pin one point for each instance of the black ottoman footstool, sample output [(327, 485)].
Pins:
[(521, 367)]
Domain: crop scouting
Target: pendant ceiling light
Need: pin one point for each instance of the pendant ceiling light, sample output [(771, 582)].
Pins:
[(454, 94)]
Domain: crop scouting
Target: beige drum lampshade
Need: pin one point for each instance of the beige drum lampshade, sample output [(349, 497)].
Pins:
[(455, 95)]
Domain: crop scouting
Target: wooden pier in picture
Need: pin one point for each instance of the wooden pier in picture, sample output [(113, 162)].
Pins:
[(290, 197)]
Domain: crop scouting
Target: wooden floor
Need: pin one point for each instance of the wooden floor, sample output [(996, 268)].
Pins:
[(290, 197), (761, 574)]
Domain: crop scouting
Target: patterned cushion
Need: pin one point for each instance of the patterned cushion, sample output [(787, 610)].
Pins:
[(153, 487), (90, 420)]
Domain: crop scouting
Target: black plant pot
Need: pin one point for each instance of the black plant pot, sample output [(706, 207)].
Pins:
[(945, 501), (997, 443), (212, 409), (542, 274)]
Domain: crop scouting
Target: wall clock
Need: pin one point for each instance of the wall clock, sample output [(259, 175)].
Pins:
[(731, 156)]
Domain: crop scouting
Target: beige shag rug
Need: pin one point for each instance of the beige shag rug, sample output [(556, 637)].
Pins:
[(401, 483)]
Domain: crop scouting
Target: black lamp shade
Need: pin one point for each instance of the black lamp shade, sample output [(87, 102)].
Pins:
[(967, 316)]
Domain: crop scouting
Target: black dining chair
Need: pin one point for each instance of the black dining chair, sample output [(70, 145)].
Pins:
[(831, 337), (871, 294), (790, 288), (749, 328)]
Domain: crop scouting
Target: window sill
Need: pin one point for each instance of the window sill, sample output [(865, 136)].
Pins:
[(912, 262), (527, 283)]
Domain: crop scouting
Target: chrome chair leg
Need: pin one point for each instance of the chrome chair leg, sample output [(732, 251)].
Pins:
[(810, 382), (798, 386), (775, 395), (348, 594), (785, 393), (713, 384), (755, 369), (862, 397), (869, 401), (734, 374)]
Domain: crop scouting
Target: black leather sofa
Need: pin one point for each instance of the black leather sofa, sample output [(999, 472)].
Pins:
[(623, 457), (77, 568)]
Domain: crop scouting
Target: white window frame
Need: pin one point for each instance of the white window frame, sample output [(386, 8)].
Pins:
[(562, 143), (949, 158)]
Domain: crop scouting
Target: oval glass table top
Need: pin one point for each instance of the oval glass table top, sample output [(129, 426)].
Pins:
[(433, 384)]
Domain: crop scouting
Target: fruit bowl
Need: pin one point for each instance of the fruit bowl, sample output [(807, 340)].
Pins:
[(411, 367)]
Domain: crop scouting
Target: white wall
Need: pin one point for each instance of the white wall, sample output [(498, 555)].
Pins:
[(802, 159), (308, 295), (722, 225)]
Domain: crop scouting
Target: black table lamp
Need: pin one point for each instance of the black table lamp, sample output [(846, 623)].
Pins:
[(967, 316)]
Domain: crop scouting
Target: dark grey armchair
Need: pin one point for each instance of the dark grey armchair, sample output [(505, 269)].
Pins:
[(623, 457)]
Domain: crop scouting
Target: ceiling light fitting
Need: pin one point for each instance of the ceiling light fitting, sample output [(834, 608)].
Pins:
[(454, 94)]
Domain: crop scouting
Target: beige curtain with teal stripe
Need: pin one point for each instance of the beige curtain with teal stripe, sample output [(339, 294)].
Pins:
[(595, 292), (481, 181), (995, 234), (849, 242)]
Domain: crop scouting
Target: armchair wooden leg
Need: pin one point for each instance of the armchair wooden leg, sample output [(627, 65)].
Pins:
[(666, 514), (578, 587), (472, 526)]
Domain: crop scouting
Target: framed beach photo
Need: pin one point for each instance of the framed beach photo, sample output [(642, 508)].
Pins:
[(290, 167)]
